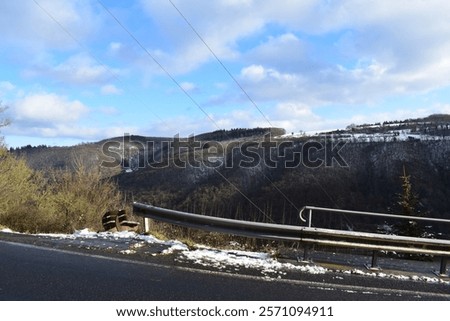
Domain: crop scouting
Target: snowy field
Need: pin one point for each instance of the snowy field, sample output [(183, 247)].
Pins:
[(130, 243), (389, 136)]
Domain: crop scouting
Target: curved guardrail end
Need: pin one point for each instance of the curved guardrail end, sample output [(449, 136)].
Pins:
[(301, 214)]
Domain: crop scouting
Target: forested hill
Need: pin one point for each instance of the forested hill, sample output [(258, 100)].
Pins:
[(231, 174)]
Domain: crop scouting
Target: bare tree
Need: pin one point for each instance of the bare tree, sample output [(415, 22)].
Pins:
[(3, 121)]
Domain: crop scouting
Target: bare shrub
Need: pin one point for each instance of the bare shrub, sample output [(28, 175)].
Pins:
[(59, 201), (20, 192), (78, 199)]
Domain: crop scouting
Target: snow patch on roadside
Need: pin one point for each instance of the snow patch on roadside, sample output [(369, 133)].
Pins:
[(222, 259), (205, 256), (125, 235), (176, 247), (422, 278), (226, 260)]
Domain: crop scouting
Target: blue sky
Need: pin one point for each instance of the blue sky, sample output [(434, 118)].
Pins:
[(70, 73)]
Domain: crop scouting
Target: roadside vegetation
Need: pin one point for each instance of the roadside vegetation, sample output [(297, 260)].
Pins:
[(65, 200), (53, 200)]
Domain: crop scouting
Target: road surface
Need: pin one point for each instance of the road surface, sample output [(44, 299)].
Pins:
[(30, 272)]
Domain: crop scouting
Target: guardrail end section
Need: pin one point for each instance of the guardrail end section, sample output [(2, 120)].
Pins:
[(301, 214)]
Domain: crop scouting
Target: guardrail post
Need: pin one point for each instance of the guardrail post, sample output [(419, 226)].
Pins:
[(146, 225), (310, 217), (307, 249), (443, 268), (374, 265)]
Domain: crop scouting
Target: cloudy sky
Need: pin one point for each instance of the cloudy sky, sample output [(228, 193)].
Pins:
[(84, 70)]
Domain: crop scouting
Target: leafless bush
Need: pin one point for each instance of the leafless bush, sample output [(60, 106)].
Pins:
[(59, 201)]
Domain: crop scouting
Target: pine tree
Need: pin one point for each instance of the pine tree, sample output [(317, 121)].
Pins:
[(407, 199), (408, 202)]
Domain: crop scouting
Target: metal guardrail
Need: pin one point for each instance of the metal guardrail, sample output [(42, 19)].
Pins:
[(216, 224), (332, 210), (307, 235)]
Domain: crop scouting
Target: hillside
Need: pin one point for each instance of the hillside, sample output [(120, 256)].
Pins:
[(240, 174)]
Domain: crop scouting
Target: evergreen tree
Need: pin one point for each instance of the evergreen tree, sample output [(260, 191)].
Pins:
[(408, 202)]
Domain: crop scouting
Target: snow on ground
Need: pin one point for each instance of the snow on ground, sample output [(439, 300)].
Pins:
[(125, 235), (222, 259), (226, 260), (396, 276), (202, 255), (389, 136)]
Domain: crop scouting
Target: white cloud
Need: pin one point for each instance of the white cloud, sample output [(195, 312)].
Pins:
[(266, 84), (110, 90), (84, 132), (188, 86), (254, 73), (49, 115), (441, 109), (344, 51), (291, 110), (6, 86), (294, 116), (293, 55), (286, 52), (66, 130), (401, 114), (79, 69), (115, 46), (367, 82), (291, 116), (239, 118), (107, 110), (48, 109), (211, 19), (25, 24)]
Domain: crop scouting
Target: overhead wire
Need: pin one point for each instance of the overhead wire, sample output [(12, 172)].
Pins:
[(168, 74), (187, 94), (115, 76), (222, 64), (162, 68), (89, 52), (241, 88), (249, 98)]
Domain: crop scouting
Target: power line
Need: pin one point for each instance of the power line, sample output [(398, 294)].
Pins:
[(85, 48), (114, 75), (186, 93), (242, 89), (249, 98), (159, 65), (222, 64), (156, 61)]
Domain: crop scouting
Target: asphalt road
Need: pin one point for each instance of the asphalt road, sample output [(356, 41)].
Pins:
[(30, 272)]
